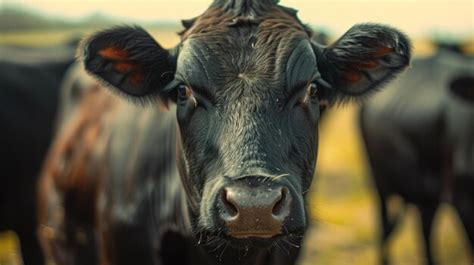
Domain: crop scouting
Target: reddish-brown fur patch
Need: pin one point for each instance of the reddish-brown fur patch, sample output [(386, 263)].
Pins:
[(136, 78), (73, 148), (273, 36), (216, 21), (124, 67), (382, 51), (114, 53), (353, 76), (366, 65), (74, 169), (212, 22)]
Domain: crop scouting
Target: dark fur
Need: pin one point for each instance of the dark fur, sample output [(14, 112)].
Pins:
[(138, 43), (418, 135), (30, 80), (248, 116), (345, 54)]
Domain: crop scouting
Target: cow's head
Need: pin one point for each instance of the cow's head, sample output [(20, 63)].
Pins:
[(248, 82)]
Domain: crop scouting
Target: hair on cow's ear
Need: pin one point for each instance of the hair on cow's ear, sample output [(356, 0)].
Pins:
[(363, 59), (127, 59)]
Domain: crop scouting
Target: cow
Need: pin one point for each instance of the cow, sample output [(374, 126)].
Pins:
[(29, 95), (212, 163), (419, 137)]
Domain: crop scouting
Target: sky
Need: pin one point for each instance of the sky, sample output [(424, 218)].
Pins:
[(412, 16)]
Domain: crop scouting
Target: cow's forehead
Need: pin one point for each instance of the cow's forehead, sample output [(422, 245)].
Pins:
[(270, 52)]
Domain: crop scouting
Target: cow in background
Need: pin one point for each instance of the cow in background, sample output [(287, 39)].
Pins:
[(419, 136), (29, 94)]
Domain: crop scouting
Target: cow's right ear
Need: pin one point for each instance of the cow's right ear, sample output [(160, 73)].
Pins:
[(365, 58), (129, 60)]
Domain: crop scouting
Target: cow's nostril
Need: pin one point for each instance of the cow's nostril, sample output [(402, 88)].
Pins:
[(230, 210), (281, 204)]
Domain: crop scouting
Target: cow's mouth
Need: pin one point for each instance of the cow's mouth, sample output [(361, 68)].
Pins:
[(256, 234), (254, 240)]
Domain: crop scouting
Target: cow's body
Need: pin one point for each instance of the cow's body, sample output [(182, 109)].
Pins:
[(221, 176), (29, 97), (419, 139)]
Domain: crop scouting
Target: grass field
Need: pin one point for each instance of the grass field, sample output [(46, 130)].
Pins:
[(343, 207)]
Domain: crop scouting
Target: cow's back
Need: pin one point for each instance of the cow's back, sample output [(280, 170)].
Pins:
[(403, 126), (419, 96)]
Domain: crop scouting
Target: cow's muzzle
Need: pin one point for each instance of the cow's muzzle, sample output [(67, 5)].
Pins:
[(254, 207)]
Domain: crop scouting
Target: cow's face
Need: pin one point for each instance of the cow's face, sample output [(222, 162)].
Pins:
[(248, 105), (248, 92)]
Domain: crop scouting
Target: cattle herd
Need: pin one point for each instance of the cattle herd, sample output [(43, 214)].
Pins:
[(204, 153)]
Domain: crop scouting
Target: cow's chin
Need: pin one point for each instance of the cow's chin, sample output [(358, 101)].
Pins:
[(255, 242)]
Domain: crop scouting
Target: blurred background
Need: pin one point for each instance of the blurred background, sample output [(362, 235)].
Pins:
[(343, 203)]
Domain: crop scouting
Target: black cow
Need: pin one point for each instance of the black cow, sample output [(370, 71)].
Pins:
[(419, 135), (29, 95), (221, 177)]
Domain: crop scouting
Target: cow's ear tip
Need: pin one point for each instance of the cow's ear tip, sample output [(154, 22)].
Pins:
[(403, 45), (83, 49)]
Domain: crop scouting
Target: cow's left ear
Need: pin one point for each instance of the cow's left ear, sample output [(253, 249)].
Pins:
[(364, 58), (129, 60)]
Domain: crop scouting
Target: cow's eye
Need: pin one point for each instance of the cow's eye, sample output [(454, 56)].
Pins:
[(313, 91), (184, 92), (311, 95)]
